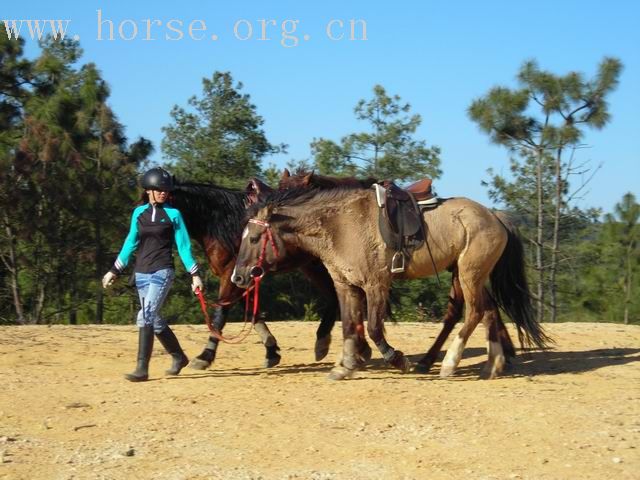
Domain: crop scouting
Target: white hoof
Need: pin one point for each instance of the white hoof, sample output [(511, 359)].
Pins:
[(446, 370), (341, 373)]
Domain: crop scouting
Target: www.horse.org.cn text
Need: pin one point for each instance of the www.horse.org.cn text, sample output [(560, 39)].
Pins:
[(288, 33)]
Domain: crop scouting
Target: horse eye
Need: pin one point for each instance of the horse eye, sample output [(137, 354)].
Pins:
[(254, 240)]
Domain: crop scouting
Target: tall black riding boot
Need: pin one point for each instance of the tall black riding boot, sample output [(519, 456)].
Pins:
[(172, 346), (145, 347)]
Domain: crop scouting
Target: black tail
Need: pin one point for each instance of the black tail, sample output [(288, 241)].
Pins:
[(511, 292)]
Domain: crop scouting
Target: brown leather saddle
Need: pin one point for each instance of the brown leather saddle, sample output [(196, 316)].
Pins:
[(400, 218)]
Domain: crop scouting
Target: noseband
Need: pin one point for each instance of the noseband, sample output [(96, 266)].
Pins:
[(257, 271)]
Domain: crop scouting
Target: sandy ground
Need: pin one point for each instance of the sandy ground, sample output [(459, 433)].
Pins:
[(66, 411)]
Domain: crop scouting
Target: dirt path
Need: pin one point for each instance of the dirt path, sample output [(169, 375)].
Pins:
[(66, 412)]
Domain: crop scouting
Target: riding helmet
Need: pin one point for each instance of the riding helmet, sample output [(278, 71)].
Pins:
[(157, 179)]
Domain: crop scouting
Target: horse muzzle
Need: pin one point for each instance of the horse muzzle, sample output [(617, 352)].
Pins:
[(244, 280)]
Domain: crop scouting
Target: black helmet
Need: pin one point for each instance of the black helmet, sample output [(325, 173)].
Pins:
[(157, 179)]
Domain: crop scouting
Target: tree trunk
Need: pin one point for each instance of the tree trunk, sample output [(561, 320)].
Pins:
[(99, 262), (553, 267), (627, 284), (540, 237), (12, 267), (98, 232), (73, 297), (36, 317)]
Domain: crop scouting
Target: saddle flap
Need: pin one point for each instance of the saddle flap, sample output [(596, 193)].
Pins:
[(403, 216)]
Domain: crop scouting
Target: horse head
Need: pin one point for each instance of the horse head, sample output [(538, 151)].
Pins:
[(256, 189), (261, 247)]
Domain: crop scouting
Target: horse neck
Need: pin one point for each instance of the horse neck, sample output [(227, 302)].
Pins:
[(213, 222), (311, 220), (216, 252)]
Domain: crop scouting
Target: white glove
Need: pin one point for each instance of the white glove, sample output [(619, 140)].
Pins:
[(196, 284), (108, 279)]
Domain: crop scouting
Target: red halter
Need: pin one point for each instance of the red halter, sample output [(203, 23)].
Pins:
[(267, 235)]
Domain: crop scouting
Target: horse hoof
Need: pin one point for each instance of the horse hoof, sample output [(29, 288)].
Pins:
[(422, 368), (322, 347), (401, 362), (405, 367), (199, 364), (447, 370), (364, 353), (341, 373), (489, 373), (272, 361)]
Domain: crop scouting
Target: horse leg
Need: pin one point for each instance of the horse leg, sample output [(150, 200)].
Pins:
[(454, 313), (376, 312), (272, 357), (504, 338), (472, 282), (318, 275), (351, 313), (208, 355), (496, 361)]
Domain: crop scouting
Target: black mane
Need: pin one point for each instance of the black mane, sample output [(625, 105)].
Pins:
[(209, 210), (299, 196), (327, 183)]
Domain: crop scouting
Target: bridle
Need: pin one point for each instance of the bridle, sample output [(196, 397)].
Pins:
[(256, 272)]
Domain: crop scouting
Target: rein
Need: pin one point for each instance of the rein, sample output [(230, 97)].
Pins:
[(217, 333), (257, 272)]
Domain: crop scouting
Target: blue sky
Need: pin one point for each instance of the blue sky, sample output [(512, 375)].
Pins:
[(438, 56)]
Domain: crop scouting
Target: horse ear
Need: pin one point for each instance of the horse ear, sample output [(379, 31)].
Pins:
[(285, 173), (264, 214), (307, 178)]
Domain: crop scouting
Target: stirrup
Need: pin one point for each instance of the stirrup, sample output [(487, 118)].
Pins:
[(397, 263)]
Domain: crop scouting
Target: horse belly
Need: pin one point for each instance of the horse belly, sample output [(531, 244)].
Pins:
[(424, 264)]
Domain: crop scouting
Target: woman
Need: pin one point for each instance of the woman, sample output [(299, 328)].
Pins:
[(155, 226)]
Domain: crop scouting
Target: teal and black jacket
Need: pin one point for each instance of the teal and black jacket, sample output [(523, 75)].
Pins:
[(154, 229)]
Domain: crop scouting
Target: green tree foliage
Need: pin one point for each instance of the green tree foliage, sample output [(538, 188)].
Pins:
[(623, 233), (540, 121), (59, 222), (68, 185), (387, 150), (605, 276), (219, 138), (15, 75)]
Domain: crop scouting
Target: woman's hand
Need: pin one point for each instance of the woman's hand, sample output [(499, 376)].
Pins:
[(196, 284), (108, 279)]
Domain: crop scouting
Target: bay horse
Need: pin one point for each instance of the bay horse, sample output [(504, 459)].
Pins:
[(305, 179), (340, 227), (215, 218)]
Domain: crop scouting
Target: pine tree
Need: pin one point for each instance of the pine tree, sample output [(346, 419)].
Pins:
[(623, 227), (70, 144), (220, 138), (15, 76), (387, 151), (566, 104)]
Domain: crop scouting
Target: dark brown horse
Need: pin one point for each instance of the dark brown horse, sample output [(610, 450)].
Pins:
[(305, 179), (215, 219), (340, 228)]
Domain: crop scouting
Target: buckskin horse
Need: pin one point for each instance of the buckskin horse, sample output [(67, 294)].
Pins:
[(305, 179), (215, 217), (340, 227)]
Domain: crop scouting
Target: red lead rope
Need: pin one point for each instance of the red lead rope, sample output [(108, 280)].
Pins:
[(255, 287)]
